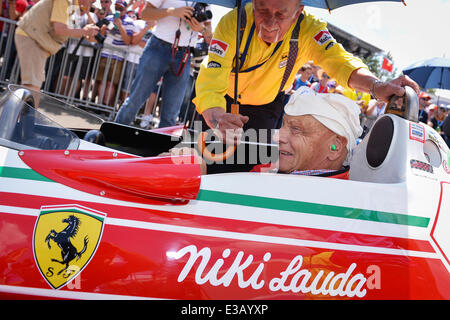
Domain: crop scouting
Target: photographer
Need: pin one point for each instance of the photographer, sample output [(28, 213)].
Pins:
[(80, 56), (41, 32), (167, 55), (116, 34)]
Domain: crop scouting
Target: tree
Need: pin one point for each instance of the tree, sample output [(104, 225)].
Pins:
[(374, 62)]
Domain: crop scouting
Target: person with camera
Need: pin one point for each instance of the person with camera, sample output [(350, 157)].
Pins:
[(166, 55), (116, 33), (80, 59), (41, 32)]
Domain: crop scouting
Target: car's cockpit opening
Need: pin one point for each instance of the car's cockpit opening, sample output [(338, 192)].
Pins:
[(22, 124)]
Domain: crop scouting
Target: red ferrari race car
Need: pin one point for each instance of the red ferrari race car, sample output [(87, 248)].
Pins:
[(88, 210)]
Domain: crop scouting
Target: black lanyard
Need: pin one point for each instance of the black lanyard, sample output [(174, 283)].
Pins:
[(185, 58), (247, 45), (292, 57), (187, 51)]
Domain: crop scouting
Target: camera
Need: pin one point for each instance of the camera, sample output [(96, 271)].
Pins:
[(200, 12), (102, 22), (199, 52), (100, 39)]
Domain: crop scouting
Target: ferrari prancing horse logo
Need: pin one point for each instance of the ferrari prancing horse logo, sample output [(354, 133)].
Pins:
[(65, 240)]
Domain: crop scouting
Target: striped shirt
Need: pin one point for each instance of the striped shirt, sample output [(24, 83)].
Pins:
[(114, 46), (343, 173)]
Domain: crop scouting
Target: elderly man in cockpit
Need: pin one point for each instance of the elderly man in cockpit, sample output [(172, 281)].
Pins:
[(318, 135), (317, 138)]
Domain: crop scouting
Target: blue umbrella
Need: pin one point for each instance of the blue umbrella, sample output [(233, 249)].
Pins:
[(324, 4), (431, 73)]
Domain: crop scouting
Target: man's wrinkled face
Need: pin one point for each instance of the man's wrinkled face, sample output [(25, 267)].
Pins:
[(273, 18), (304, 143)]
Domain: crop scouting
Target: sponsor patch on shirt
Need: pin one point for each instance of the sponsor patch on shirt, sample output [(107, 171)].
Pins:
[(218, 47), (322, 37), (332, 43), (214, 64), (284, 60)]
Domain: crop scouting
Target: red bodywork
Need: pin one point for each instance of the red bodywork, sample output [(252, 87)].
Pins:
[(137, 255)]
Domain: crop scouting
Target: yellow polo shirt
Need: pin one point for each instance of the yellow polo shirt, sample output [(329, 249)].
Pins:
[(261, 86)]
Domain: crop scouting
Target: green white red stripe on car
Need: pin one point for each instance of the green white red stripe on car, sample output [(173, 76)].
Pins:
[(254, 213)]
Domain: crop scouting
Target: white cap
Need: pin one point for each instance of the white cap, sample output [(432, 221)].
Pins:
[(335, 111)]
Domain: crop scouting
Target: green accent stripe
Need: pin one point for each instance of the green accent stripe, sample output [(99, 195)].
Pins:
[(21, 173), (312, 208), (73, 210), (267, 203)]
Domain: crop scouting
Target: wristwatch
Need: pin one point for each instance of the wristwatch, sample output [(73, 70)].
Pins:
[(372, 88)]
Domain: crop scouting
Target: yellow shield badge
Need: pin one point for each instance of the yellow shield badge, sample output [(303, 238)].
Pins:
[(65, 240)]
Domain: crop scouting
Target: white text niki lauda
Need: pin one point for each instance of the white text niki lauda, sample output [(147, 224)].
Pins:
[(293, 279)]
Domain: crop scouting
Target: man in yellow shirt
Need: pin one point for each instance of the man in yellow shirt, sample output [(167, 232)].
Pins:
[(41, 32), (270, 42)]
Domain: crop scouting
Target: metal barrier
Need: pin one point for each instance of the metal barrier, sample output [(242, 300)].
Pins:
[(9, 64), (74, 76)]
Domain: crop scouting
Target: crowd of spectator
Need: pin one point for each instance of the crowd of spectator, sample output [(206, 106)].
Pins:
[(120, 43), (100, 69)]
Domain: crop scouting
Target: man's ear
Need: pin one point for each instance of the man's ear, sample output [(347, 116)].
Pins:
[(338, 148), (299, 11)]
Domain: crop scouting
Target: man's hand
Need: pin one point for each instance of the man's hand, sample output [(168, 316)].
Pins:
[(385, 90), (117, 22), (227, 126), (363, 80), (103, 30), (184, 13), (195, 25), (90, 30)]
